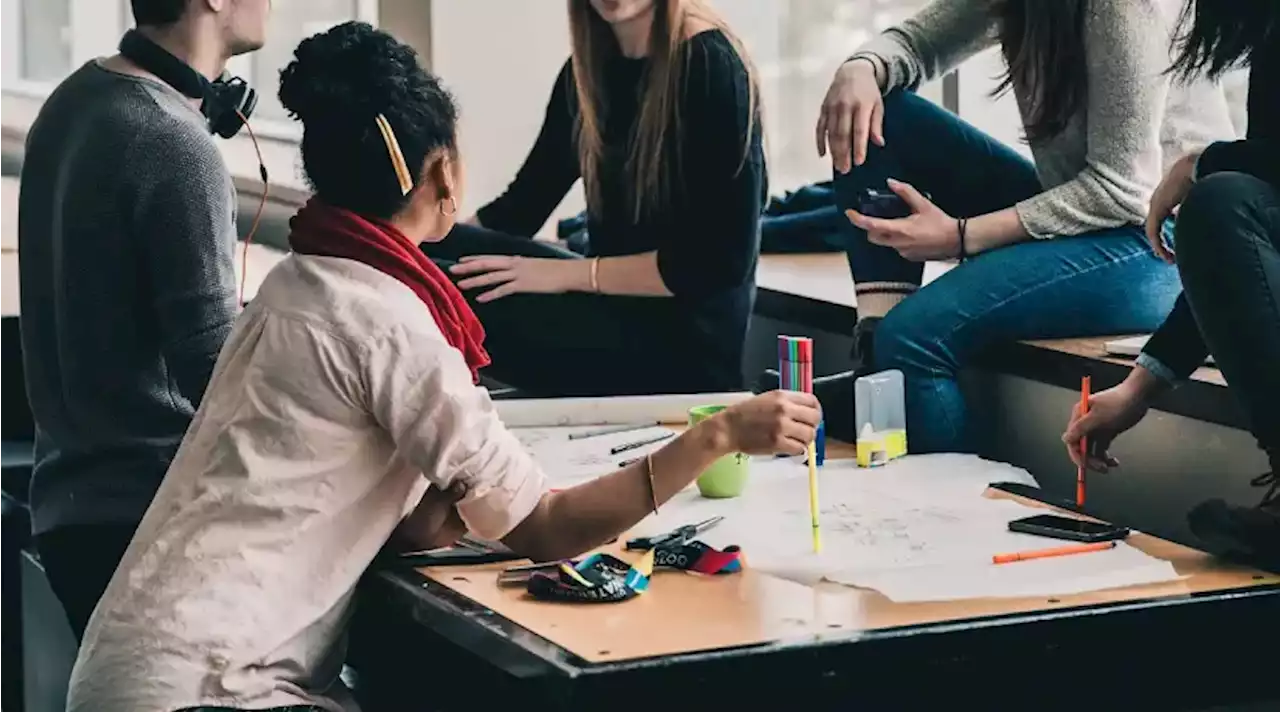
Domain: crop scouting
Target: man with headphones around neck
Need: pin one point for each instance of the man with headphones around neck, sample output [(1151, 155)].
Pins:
[(126, 227)]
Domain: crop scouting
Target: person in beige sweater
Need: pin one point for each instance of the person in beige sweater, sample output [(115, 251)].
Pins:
[(1049, 249)]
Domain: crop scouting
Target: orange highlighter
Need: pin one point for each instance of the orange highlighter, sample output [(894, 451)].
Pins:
[(1055, 551), (1084, 443)]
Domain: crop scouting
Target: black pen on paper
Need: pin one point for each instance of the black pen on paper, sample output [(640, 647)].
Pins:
[(612, 430), (640, 443)]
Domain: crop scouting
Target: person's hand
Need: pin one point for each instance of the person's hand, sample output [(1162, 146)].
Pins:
[(773, 423), (434, 523), (928, 234), (1111, 412), (509, 275), (852, 112), (1165, 201)]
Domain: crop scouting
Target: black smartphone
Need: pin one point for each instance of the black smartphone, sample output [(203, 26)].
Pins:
[(872, 202), (1067, 528), (882, 204)]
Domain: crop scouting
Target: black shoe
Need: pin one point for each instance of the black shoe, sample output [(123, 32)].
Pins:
[(1246, 534)]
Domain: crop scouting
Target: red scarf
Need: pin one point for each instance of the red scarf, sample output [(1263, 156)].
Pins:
[(325, 231)]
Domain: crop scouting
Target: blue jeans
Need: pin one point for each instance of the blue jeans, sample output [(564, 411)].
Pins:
[(1100, 283)]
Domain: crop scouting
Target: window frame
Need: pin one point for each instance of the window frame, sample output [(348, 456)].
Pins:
[(283, 129), (87, 17), (96, 27)]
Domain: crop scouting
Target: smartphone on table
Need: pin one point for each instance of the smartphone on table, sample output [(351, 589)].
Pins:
[(1055, 527)]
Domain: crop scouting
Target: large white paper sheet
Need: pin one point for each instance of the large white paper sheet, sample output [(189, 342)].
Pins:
[(916, 530)]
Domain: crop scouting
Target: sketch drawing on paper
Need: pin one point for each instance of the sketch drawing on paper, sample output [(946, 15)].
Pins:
[(533, 437)]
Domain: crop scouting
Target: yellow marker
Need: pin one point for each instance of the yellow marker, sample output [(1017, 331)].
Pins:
[(645, 564), (813, 498), (573, 573)]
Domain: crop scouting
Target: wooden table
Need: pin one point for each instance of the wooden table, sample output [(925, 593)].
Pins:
[(697, 641)]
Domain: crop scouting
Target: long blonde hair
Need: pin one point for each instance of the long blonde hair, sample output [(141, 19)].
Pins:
[(653, 159)]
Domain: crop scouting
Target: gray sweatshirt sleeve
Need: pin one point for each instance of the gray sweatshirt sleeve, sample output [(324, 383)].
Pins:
[(1127, 51), (933, 42), (185, 221)]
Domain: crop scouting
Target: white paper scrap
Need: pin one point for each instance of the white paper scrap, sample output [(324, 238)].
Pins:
[(1057, 576)]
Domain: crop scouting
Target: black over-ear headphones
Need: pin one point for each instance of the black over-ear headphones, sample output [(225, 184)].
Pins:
[(222, 101)]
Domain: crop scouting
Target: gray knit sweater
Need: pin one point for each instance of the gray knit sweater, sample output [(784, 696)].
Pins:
[(126, 227), (1101, 171)]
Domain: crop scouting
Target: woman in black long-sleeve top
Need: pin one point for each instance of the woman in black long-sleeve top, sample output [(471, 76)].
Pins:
[(671, 156), (1227, 247)]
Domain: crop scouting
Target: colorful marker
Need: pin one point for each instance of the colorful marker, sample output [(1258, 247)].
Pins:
[(1084, 443), (1055, 551)]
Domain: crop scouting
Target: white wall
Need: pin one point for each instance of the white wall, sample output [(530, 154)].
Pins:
[(500, 59)]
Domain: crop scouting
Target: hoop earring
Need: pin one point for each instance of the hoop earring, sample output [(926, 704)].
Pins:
[(453, 207)]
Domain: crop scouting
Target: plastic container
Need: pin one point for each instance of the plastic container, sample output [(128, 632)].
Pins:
[(880, 416)]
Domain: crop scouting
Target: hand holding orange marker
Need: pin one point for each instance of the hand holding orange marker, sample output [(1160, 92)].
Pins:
[(1055, 551), (1084, 442)]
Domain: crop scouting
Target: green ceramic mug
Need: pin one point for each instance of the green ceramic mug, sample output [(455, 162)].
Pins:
[(726, 477)]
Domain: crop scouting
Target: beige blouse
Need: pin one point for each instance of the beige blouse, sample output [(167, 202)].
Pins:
[(335, 403)]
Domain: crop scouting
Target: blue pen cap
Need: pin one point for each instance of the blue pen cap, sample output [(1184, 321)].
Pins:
[(820, 444)]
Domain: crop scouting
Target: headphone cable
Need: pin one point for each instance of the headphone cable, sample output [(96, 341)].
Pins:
[(262, 205)]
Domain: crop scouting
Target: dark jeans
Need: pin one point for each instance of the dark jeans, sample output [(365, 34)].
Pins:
[(805, 220), (79, 562), (573, 344), (1228, 247), (802, 221), (1100, 283)]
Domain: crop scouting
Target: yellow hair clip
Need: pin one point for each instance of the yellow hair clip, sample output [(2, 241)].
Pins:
[(397, 157)]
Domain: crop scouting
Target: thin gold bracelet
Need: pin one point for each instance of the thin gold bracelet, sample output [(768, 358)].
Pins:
[(653, 489), (595, 275)]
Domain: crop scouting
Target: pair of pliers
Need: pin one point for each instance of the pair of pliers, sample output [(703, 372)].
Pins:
[(676, 536)]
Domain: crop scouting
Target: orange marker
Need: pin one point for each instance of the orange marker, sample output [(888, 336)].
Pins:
[(1056, 551), (1084, 443)]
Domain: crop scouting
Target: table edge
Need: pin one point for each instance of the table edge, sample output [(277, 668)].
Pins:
[(499, 634)]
